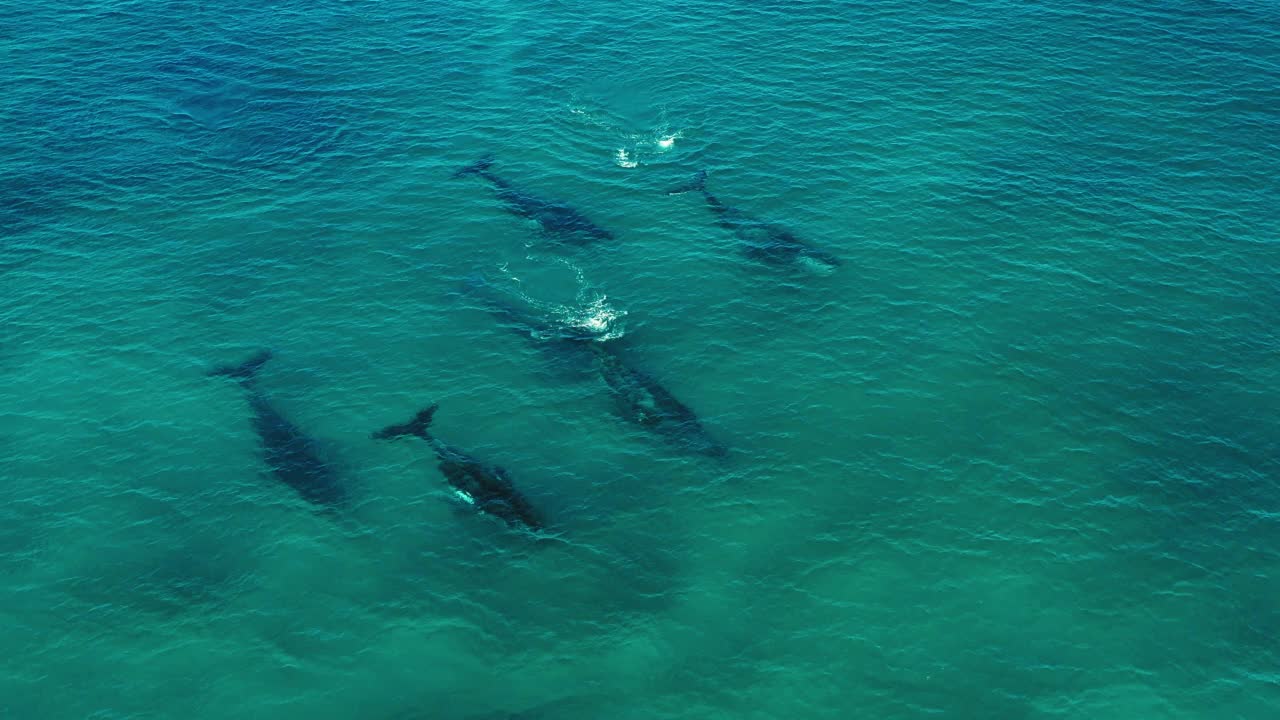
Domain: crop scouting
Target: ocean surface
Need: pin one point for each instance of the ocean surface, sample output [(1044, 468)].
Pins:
[(1010, 452)]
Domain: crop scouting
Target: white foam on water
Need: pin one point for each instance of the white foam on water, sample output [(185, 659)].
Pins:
[(590, 310), (624, 159), (598, 318), (630, 148)]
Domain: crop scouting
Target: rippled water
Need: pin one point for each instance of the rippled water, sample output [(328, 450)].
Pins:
[(1014, 458)]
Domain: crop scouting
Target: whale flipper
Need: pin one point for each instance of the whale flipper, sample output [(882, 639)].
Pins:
[(416, 427), (245, 371)]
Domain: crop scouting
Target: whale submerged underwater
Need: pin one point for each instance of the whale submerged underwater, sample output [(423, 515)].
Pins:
[(767, 242), (554, 218)]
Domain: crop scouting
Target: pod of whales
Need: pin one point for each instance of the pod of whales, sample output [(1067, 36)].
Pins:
[(486, 488), (638, 398), (555, 218), (764, 241), (291, 455)]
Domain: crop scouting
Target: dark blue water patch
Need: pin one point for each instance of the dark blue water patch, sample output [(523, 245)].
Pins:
[(76, 152), (13, 258), (36, 199), (236, 106), (185, 579), (24, 201)]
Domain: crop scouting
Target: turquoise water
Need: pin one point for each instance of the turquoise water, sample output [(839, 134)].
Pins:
[(1016, 457)]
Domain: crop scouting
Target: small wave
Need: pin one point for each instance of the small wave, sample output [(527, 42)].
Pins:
[(591, 117)]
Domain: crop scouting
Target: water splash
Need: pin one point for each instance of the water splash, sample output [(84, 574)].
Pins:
[(589, 316), (597, 317), (623, 159), (631, 148)]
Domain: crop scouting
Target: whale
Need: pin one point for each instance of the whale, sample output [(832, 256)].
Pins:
[(486, 488), (556, 219), (638, 398), (764, 241), (644, 402), (292, 456)]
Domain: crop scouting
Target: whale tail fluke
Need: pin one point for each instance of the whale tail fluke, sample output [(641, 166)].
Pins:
[(474, 168), (417, 426), (697, 184), (245, 371)]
